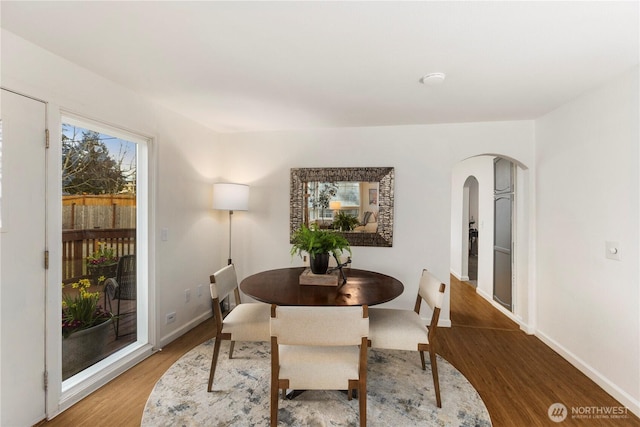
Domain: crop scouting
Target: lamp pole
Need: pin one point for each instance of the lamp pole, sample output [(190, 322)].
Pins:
[(229, 261), (230, 197)]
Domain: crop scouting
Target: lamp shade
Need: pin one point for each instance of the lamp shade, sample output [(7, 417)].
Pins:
[(230, 197), (334, 206)]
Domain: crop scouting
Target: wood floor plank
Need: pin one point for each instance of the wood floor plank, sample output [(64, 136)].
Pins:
[(517, 376)]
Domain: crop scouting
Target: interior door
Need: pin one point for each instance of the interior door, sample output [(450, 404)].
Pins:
[(22, 272), (503, 236)]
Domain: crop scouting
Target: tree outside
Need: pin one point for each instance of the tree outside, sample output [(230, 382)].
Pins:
[(94, 163)]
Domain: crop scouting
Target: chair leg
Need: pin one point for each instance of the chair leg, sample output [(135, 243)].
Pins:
[(424, 366), (362, 400), (434, 372), (353, 386), (108, 301), (231, 346), (214, 362), (118, 320), (274, 402)]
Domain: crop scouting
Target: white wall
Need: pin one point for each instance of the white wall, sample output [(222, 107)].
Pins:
[(587, 194), (423, 158), (185, 161)]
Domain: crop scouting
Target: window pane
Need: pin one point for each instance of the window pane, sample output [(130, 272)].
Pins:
[(99, 204)]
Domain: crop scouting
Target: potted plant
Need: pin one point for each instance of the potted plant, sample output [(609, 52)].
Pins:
[(318, 244), (102, 263), (84, 328), (344, 222)]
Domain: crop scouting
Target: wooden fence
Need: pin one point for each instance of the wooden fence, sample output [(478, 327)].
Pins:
[(87, 211), (78, 244)]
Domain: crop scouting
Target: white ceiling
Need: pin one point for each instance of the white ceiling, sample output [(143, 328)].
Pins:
[(251, 66)]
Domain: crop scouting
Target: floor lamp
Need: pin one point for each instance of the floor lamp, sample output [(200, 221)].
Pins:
[(230, 197)]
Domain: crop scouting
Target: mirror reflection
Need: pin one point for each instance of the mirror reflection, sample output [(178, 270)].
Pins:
[(342, 205), (357, 202)]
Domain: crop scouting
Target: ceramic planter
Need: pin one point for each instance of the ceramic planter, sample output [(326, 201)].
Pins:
[(84, 348)]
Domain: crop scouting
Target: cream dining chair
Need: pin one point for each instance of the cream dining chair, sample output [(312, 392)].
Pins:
[(404, 329), (319, 348), (245, 322)]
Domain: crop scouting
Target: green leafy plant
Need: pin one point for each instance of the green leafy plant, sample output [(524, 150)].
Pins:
[(102, 256), (315, 241), (344, 221), (80, 308)]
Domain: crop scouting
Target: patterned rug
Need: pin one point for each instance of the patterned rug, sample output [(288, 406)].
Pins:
[(399, 393)]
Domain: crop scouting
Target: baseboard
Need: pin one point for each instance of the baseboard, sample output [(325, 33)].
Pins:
[(444, 323), (623, 397), (489, 298), (459, 277), (485, 295), (98, 375), (184, 328)]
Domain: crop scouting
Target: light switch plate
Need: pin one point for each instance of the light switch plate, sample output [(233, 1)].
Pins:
[(612, 250)]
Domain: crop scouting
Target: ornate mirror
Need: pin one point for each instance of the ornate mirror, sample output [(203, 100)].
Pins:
[(364, 196)]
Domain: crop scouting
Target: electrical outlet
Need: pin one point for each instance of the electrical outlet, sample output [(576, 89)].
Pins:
[(187, 295), (171, 317), (199, 291)]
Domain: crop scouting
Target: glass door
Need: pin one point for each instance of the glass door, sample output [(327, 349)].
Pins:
[(504, 193), (100, 246)]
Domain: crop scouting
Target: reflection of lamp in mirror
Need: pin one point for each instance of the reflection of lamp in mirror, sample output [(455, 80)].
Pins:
[(335, 207), (230, 197)]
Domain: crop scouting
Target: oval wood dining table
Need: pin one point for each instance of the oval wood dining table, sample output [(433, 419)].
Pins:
[(282, 287)]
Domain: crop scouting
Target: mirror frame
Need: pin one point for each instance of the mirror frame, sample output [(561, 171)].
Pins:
[(384, 176)]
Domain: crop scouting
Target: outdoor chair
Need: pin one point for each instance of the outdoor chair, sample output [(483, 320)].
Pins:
[(121, 287)]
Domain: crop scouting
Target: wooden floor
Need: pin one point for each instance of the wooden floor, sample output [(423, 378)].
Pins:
[(517, 376)]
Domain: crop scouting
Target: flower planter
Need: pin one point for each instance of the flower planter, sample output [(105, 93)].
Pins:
[(84, 348), (319, 263), (97, 271)]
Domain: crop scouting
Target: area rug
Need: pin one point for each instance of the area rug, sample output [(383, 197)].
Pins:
[(399, 393)]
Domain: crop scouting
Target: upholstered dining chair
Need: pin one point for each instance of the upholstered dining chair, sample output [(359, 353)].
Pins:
[(319, 348), (396, 329), (245, 321), (121, 287)]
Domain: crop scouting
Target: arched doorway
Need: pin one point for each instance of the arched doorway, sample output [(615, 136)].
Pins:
[(465, 174), (470, 218)]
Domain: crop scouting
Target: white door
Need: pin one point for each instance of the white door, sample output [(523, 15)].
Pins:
[(22, 272)]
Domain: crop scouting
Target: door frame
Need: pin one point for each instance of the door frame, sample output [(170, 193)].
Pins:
[(100, 374)]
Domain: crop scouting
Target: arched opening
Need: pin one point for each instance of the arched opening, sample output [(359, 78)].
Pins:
[(473, 234), (471, 218)]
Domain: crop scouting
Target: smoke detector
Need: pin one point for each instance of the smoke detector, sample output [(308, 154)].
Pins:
[(433, 79)]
